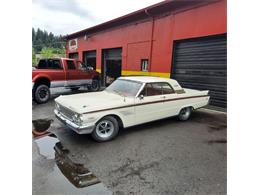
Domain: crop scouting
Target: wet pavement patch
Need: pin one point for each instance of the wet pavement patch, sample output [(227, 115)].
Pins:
[(79, 176), (215, 122), (218, 141), (76, 173), (217, 127)]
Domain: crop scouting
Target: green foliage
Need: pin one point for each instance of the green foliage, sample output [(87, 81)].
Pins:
[(47, 52), (59, 52), (34, 60)]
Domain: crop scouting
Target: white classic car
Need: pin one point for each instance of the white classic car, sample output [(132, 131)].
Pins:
[(128, 101)]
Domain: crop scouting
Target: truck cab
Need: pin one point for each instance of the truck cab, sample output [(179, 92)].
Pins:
[(62, 72)]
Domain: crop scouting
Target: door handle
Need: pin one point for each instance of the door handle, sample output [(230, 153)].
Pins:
[(163, 97)]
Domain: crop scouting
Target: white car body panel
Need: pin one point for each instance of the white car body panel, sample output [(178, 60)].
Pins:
[(131, 110), (148, 112)]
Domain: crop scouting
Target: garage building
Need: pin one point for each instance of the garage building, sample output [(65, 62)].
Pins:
[(184, 40)]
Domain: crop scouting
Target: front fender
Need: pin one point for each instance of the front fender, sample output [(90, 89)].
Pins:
[(127, 116)]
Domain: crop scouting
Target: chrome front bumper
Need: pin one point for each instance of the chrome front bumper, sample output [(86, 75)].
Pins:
[(85, 129)]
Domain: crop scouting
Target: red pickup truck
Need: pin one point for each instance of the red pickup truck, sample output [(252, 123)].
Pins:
[(61, 72)]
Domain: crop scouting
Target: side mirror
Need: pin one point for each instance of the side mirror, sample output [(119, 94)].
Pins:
[(89, 68), (141, 97), (83, 68)]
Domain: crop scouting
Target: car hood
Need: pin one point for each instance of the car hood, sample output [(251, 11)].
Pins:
[(88, 102)]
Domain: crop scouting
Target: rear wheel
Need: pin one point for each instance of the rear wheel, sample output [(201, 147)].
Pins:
[(95, 85), (42, 94), (185, 113), (106, 129)]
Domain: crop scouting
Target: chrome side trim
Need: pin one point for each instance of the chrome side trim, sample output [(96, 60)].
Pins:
[(141, 104), (68, 83)]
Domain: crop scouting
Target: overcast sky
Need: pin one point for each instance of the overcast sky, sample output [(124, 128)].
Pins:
[(68, 16)]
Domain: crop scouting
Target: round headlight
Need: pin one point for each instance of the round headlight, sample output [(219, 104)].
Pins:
[(77, 119)]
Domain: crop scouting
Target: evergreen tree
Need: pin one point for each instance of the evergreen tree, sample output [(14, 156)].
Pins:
[(47, 44), (41, 39)]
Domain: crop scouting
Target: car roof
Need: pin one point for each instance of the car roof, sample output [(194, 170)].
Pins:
[(146, 79), (57, 58), (152, 79)]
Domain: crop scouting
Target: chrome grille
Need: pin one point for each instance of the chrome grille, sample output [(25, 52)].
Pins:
[(66, 112)]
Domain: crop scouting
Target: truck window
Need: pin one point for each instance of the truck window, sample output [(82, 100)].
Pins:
[(71, 65), (54, 64), (49, 64), (42, 64)]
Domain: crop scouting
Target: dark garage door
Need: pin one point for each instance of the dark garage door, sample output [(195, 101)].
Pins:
[(201, 63), (111, 65)]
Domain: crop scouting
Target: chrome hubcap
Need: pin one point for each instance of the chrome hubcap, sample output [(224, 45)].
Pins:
[(43, 94), (105, 129), (185, 112)]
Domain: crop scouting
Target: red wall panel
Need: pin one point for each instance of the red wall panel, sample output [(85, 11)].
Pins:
[(135, 39), (136, 52)]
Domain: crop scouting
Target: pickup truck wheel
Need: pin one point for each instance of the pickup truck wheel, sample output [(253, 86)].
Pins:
[(42, 94), (106, 129), (185, 114), (95, 86)]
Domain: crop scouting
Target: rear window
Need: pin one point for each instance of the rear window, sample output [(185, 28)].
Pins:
[(49, 64), (42, 64), (166, 88)]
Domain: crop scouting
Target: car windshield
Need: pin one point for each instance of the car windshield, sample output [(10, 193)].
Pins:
[(124, 87)]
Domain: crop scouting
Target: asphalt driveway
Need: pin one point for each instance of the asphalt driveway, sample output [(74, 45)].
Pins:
[(162, 157)]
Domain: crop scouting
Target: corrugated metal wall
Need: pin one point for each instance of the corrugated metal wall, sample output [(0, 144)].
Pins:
[(201, 63)]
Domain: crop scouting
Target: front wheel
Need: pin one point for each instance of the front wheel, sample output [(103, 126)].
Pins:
[(42, 94), (185, 113), (106, 129)]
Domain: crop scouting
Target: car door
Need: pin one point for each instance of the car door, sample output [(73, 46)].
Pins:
[(170, 104), (72, 74), (148, 105), (85, 74)]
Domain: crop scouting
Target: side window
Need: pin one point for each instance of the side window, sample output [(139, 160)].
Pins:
[(42, 64), (166, 88), (157, 88), (56, 64), (147, 90), (81, 65), (53, 64), (71, 65), (152, 89)]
